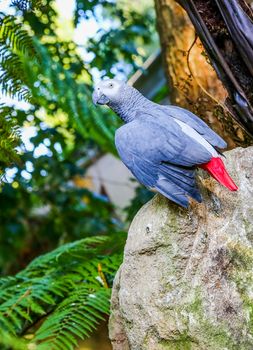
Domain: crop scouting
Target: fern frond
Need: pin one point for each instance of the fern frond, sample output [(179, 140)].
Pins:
[(71, 96), (76, 317), (63, 290), (9, 138), (8, 342), (28, 72), (16, 46)]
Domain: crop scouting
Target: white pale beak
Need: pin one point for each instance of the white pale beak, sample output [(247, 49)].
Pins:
[(99, 98)]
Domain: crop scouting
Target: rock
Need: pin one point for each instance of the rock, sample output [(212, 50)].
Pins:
[(186, 281)]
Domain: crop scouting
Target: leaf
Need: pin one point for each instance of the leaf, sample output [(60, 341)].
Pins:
[(68, 308)]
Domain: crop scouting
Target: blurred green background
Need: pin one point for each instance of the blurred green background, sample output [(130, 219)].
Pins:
[(61, 181)]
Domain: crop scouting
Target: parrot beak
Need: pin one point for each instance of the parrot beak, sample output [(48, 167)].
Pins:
[(99, 98)]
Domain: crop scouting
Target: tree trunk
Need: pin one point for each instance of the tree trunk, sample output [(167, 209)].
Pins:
[(186, 280), (193, 82)]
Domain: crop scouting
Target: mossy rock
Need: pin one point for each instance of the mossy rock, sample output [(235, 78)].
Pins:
[(187, 279)]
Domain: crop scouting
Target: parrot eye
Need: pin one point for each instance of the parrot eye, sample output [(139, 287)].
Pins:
[(111, 85)]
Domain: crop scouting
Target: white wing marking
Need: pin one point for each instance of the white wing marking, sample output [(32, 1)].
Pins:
[(197, 137)]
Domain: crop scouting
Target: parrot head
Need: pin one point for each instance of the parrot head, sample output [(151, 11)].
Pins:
[(107, 91)]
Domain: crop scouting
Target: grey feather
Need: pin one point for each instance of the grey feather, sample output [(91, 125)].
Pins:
[(161, 155), (193, 121), (197, 124), (154, 147), (172, 192)]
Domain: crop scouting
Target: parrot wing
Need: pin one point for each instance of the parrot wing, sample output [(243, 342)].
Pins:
[(193, 121), (161, 156)]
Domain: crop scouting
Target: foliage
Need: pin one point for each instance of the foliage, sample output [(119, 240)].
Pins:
[(51, 84), (26, 5), (45, 82), (48, 203), (46, 200), (50, 185), (15, 47), (13, 40), (61, 295), (58, 87), (125, 46), (36, 69), (9, 138)]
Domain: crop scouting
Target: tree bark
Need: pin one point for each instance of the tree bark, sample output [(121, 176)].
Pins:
[(193, 82)]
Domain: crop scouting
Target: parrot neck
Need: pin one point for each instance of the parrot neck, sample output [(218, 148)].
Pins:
[(127, 110)]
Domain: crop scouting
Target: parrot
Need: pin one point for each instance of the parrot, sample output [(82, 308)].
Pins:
[(163, 145)]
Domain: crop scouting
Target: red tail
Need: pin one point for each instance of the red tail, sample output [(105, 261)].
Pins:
[(217, 170)]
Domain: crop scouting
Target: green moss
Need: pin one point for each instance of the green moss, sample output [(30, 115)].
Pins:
[(173, 221), (218, 337), (196, 306), (249, 227), (248, 305), (241, 255), (241, 273), (209, 335), (184, 342), (202, 333)]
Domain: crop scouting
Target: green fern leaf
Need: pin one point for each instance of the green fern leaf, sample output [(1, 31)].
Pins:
[(63, 290)]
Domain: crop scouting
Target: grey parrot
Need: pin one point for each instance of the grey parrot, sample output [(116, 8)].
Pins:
[(163, 145)]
